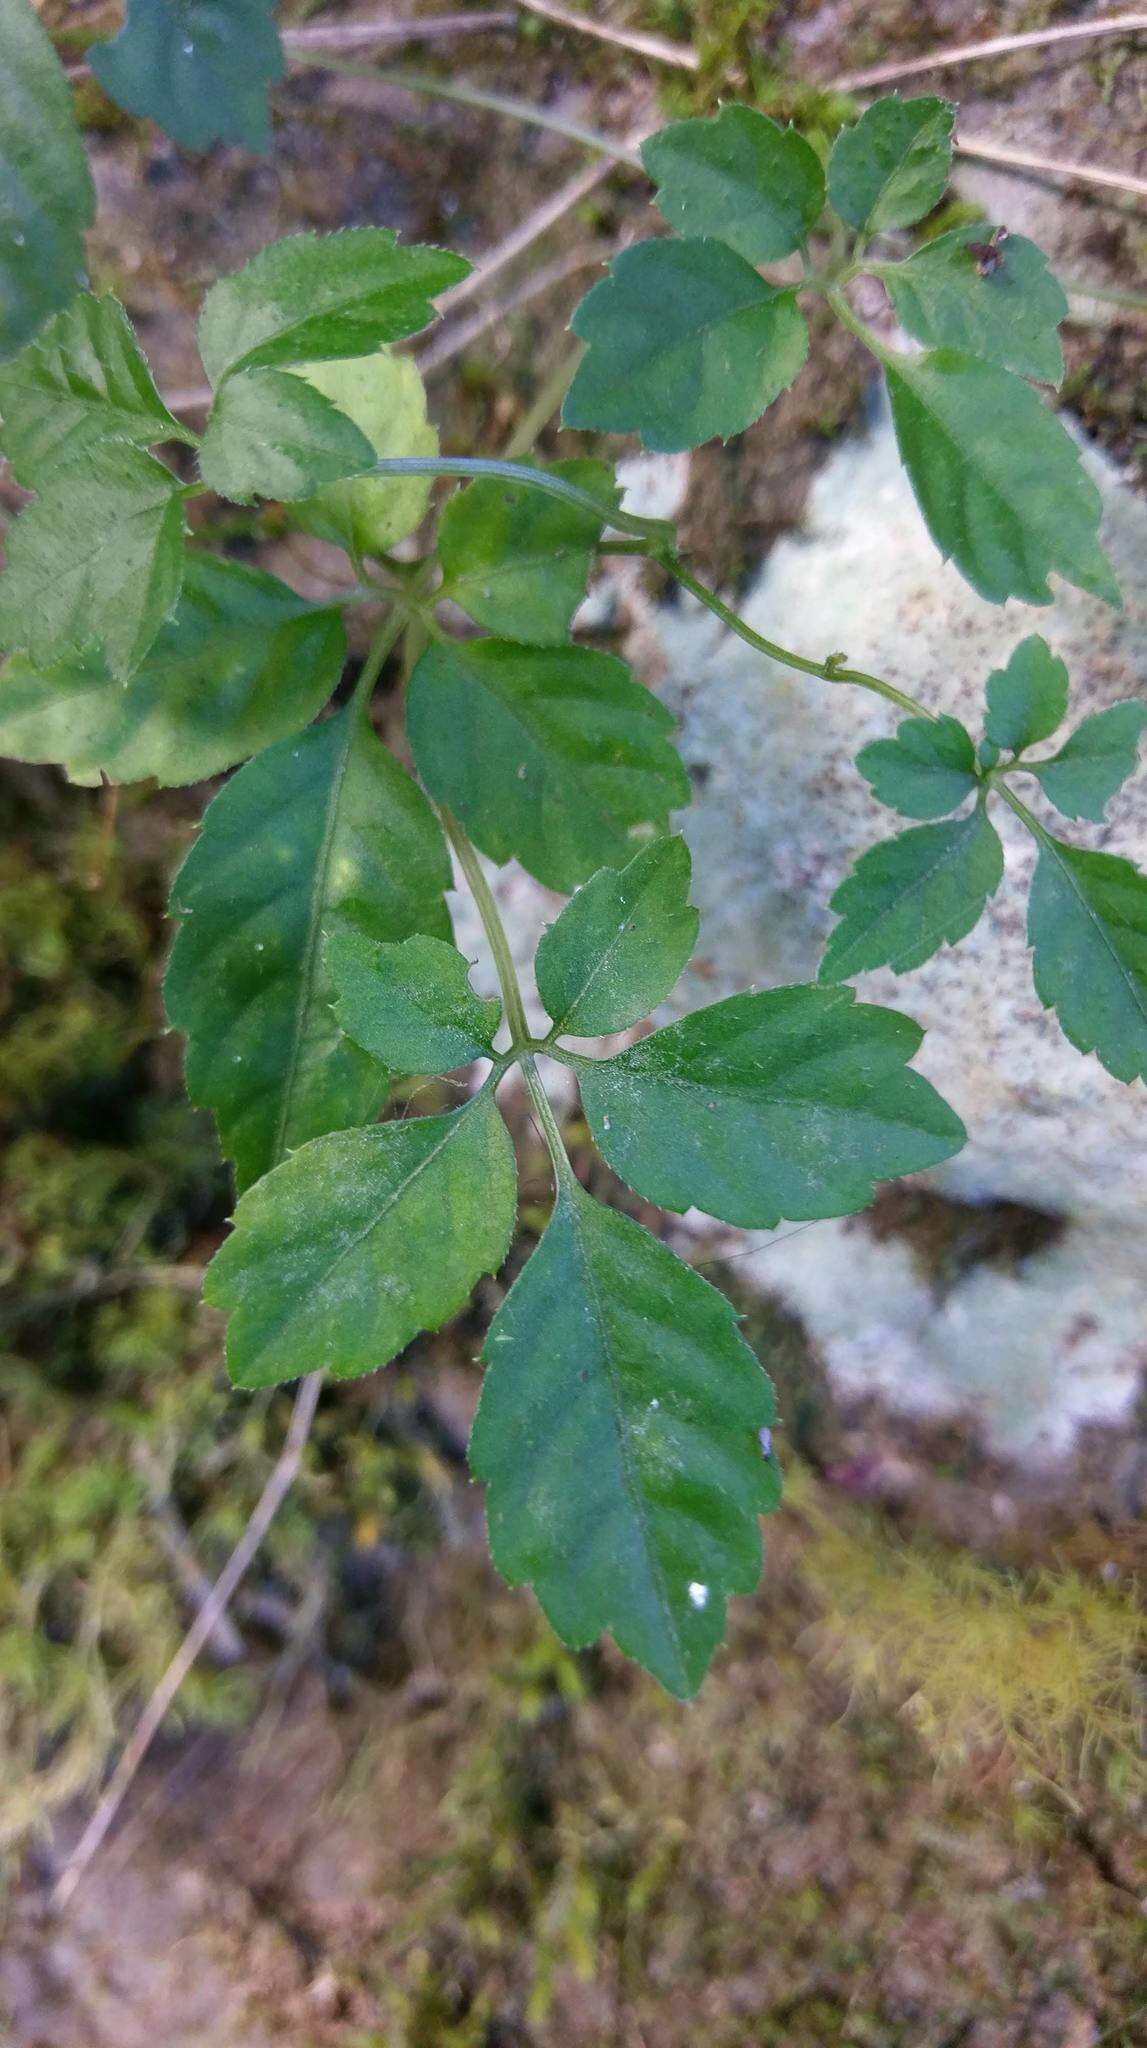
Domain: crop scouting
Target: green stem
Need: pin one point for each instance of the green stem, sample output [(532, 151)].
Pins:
[(385, 640), (1026, 817), (564, 1174), (659, 532), (493, 927), (465, 95), (857, 326), (830, 670)]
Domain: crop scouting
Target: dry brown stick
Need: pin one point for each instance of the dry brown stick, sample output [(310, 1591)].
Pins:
[(452, 340), (225, 1643), (538, 223), (994, 46), (992, 152), (278, 1485), (640, 41), (356, 35)]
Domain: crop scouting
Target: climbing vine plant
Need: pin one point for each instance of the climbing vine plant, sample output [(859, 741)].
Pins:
[(625, 1427)]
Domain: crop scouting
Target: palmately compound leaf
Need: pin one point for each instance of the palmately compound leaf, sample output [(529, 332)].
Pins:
[(361, 1240), (271, 436), (1027, 699), (998, 478), (740, 178), (312, 298), (1087, 927), (410, 1004), (892, 167), (384, 395), (1094, 761), (620, 943), (518, 562), (243, 662), (913, 894), (46, 195), (620, 1436), (320, 826), (95, 561), (684, 343), (552, 756), (201, 69), (83, 382), (1009, 314), (793, 1103), (926, 771)]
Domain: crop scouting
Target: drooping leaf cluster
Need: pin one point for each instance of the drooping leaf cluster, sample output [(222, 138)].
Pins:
[(624, 1427)]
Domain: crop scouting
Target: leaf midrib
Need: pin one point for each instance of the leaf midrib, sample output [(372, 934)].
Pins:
[(1065, 868)]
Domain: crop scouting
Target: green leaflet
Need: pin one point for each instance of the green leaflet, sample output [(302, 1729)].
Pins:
[(1087, 927), (410, 1005), (684, 342), (362, 1239), (910, 895), (46, 194), (620, 943), (1094, 761), (243, 662), (81, 383), (928, 769), (310, 298), (95, 560), (1010, 316), (202, 69), (271, 436), (619, 1435), (1027, 700), (519, 562), (793, 1103), (998, 478), (320, 825), (385, 396), (740, 178), (892, 167), (551, 756)]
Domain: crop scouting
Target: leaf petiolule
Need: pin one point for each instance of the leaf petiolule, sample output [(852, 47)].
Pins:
[(1094, 761), (95, 560), (47, 199), (739, 177), (892, 167), (793, 1103), (243, 662), (519, 562), (619, 1433), (684, 343), (552, 756), (620, 943), (910, 895), (362, 1239), (1087, 927), (82, 383), (410, 1004), (313, 298), (271, 436), (997, 477), (1009, 314), (202, 69), (322, 825), (928, 769), (1027, 699)]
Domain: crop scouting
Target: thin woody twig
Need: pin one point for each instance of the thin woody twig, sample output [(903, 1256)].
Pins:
[(989, 151), (357, 35), (644, 44), (454, 339), (146, 1729), (994, 46)]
